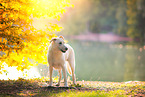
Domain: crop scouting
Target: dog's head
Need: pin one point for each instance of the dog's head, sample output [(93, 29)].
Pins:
[(59, 43)]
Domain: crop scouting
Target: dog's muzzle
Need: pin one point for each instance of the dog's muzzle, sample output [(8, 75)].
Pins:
[(64, 50)]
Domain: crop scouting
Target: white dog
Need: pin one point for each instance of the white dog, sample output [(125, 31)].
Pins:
[(59, 54)]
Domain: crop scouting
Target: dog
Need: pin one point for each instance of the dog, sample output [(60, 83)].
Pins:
[(61, 56)]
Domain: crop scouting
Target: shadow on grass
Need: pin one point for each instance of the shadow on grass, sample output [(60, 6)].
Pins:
[(18, 89), (33, 88)]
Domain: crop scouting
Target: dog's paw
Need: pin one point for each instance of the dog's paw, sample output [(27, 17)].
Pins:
[(66, 86), (75, 85), (57, 85), (50, 86)]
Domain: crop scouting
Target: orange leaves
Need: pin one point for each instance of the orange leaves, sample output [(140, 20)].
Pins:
[(4, 40)]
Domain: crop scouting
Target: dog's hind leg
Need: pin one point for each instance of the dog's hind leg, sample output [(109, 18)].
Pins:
[(59, 77), (72, 66)]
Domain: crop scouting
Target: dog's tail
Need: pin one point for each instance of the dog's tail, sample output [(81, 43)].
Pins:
[(68, 68)]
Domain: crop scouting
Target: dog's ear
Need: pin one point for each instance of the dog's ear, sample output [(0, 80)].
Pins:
[(61, 37), (53, 39)]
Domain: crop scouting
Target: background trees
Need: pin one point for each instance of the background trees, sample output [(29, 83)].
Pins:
[(122, 17), (136, 19)]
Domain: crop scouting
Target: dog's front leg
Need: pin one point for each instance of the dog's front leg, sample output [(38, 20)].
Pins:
[(59, 77), (50, 73), (65, 76)]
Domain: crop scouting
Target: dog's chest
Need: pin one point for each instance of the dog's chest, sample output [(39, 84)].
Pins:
[(56, 60), (57, 63)]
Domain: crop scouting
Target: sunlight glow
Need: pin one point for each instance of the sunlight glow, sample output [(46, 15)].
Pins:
[(40, 24), (47, 10), (13, 74)]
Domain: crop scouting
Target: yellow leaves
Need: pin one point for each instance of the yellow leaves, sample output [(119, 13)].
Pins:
[(54, 27), (25, 43), (58, 18), (1, 65), (36, 50), (63, 11)]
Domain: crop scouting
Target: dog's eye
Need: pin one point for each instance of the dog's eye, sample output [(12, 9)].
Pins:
[(60, 43)]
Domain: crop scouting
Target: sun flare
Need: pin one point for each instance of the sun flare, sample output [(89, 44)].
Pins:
[(14, 74), (46, 11)]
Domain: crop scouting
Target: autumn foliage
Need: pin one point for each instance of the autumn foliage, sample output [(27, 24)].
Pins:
[(21, 43)]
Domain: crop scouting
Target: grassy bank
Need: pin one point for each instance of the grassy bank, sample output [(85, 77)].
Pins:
[(38, 87)]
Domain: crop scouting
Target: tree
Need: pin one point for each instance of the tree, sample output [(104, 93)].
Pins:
[(96, 16), (136, 19), (121, 18), (21, 44)]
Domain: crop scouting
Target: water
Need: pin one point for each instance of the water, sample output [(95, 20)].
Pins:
[(98, 61)]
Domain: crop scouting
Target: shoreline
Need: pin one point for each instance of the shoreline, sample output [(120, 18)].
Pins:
[(109, 37)]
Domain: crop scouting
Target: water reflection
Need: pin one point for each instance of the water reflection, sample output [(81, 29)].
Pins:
[(108, 62)]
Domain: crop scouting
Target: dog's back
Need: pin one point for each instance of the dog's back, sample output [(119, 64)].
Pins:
[(70, 58)]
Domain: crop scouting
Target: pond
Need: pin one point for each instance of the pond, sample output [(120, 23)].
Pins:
[(102, 61), (97, 61)]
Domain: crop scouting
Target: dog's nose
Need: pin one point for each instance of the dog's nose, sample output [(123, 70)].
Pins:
[(66, 48)]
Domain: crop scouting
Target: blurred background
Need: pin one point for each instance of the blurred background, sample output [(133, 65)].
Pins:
[(108, 37)]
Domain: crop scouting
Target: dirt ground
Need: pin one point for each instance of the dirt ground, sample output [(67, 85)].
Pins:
[(22, 88), (34, 91)]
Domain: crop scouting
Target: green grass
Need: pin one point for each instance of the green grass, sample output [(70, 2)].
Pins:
[(116, 93), (69, 93), (28, 88)]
